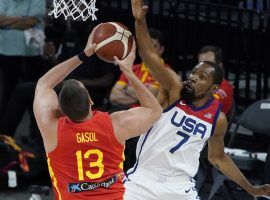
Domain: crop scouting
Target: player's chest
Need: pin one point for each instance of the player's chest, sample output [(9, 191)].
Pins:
[(177, 122)]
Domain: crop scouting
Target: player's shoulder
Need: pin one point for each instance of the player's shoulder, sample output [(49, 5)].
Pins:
[(221, 125), (221, 117), (115, 116)]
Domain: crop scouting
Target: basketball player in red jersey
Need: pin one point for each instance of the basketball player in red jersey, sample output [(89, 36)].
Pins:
[(84, 147), (168, 154)]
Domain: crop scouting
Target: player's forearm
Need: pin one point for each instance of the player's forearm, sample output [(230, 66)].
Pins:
[(145, 97), (130, 92), (149, 55), (226, 165), (143, 37), (58, 73)]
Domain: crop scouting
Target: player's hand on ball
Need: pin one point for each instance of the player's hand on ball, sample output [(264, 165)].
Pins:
[(127, 63), (90, 46), (139, 10), (262, 190)]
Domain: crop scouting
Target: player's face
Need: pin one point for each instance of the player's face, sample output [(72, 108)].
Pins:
[(199, 83)]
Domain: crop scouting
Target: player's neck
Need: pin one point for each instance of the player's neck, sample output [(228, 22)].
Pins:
[(89, 116), (200, 102)]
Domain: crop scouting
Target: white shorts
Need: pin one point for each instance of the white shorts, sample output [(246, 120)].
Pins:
[(149, 186)]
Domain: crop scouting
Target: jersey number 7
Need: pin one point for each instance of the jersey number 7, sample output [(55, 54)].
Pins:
[(183, 141)]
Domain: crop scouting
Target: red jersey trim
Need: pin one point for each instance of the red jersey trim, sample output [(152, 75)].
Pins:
[(53, 178)]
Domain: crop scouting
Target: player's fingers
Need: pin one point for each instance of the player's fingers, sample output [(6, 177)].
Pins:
[(134, 46), (93, 45), (116, 60)]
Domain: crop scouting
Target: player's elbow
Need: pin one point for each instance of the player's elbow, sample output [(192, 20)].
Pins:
[(41, 84), (212, 160), (157, 112), (215, 159)]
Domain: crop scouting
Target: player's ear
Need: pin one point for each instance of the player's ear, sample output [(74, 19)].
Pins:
[(91, 102)]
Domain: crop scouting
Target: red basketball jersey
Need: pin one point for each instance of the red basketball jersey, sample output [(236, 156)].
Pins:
[(87, 159)]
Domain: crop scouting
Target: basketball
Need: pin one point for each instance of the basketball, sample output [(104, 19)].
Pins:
[(112, 39)]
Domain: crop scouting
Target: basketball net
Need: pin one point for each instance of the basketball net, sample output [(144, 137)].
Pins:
[(74, 9)]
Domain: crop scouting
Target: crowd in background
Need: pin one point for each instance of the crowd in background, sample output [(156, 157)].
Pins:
[(31, 42)]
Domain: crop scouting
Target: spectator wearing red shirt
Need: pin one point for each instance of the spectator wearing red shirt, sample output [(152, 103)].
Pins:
[(122, 95), (225, 92)]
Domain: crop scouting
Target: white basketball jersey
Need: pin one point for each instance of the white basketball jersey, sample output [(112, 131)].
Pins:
[(172, 146)]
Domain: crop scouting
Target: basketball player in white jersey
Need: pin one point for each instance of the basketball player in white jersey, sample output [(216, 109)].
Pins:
[(168, 154)]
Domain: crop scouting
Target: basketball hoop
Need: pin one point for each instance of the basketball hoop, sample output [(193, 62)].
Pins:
[(74, 9)]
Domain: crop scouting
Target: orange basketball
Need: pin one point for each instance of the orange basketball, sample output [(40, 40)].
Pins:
[(112, 39)]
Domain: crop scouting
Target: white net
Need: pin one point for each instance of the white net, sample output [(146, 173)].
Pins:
[(74, 9)]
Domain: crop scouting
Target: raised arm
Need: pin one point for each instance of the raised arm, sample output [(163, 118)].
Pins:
[(225, 164), (146, 47), (46, 102), (135, 121)]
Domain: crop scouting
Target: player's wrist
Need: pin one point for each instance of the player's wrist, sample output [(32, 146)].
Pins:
[(83, 56), (250, 189)]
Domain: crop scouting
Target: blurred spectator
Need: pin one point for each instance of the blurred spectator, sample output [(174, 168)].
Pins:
[(21, 40), (122, 95), (225, 92)]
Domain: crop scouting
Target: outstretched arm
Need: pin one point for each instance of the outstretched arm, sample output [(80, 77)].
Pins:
[(146, 47), (225, 164), (46, 102), (135, 121)]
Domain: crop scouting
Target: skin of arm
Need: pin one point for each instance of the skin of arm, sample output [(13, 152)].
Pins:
[(148, 53), (164, 95), (45, 104), (131, 123), (225, 164)]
